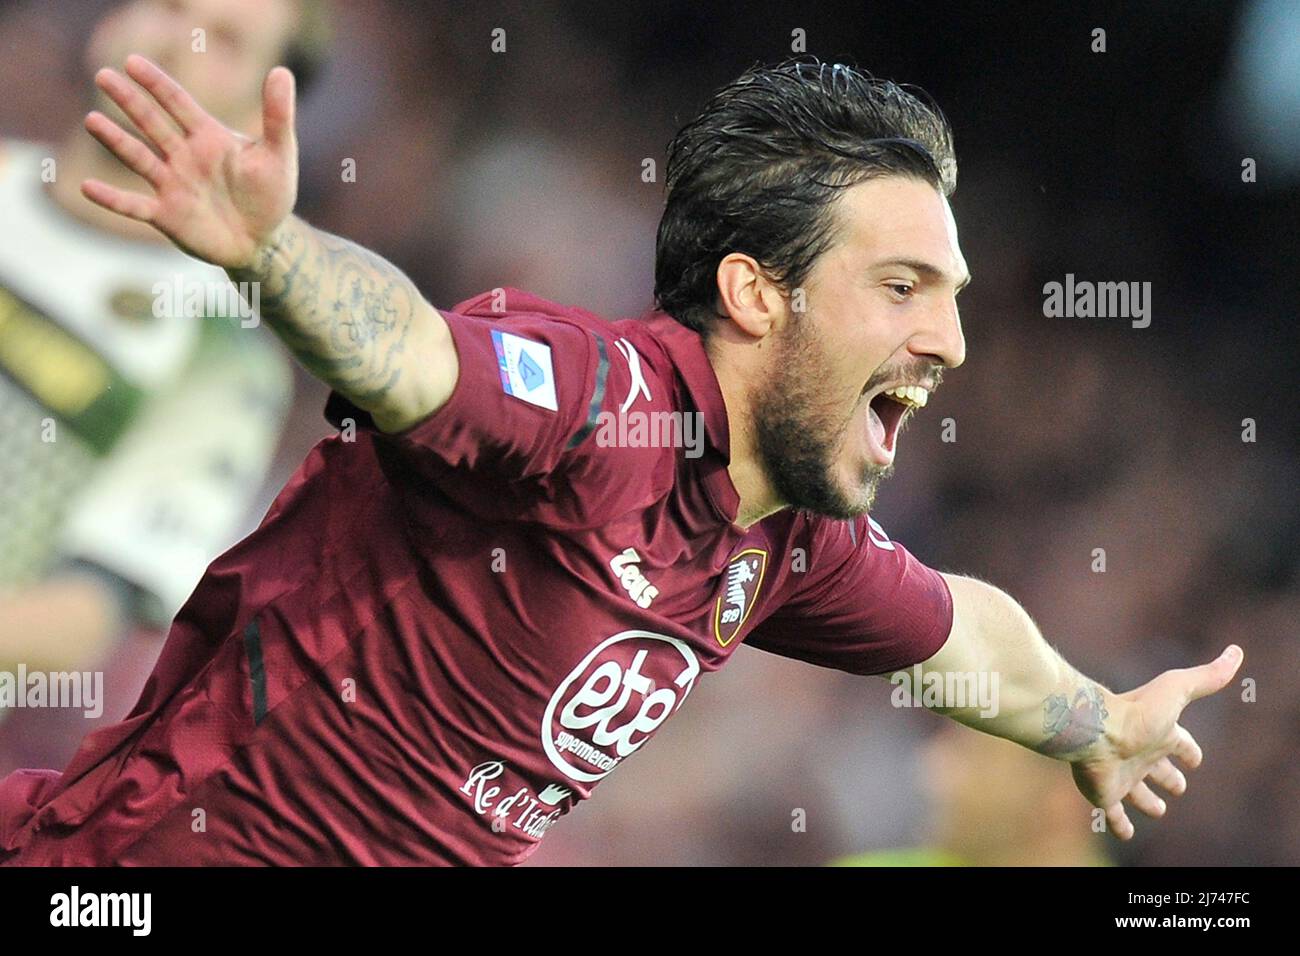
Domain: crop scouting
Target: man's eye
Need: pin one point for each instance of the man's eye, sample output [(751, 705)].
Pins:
[(901, 289)]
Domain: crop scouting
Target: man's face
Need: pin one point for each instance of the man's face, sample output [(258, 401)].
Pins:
[(881, 313), (223, 68)]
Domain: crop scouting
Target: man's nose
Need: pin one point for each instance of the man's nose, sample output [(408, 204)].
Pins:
[(941, 339)]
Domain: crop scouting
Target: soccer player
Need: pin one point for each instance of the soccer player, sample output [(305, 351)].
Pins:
[(133, 441), (499, 580)]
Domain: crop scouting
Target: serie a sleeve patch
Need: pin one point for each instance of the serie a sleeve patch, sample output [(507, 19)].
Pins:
[(526, 369)]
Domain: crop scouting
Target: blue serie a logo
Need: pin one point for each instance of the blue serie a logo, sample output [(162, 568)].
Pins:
[(526, 369)]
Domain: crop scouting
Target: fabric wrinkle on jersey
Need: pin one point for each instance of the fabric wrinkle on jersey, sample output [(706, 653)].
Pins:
[(438, 642)]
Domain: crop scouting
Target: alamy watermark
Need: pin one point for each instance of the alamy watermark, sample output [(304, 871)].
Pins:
[(638, 429), (1102, 300), (74, 908), (946, 690), (83, 690), (195, 299)]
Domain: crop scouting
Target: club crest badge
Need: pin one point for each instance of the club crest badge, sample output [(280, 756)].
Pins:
[(741, 585)]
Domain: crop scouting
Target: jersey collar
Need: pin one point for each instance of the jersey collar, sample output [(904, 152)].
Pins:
[(686, 349)]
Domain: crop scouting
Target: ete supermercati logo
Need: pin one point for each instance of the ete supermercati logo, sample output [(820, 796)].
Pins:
[(614, 700)]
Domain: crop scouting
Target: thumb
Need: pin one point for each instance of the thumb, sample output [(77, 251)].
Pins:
[(278, 108), (1214, 676)]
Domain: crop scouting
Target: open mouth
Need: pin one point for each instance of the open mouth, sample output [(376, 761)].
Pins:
[(886, 412)]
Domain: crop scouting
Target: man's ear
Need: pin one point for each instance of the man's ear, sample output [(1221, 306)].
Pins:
[(748, 297)]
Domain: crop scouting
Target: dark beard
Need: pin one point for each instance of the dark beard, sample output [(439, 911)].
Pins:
[(799, 441)]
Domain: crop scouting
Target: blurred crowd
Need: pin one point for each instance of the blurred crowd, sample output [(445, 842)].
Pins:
[(526, 167)]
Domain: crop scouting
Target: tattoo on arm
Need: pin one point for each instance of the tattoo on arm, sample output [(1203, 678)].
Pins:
[(344, 311), (1073, 726)]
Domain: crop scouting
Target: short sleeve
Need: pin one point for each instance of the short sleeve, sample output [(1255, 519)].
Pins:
[(557, 417), (522, 390), (865, 604)]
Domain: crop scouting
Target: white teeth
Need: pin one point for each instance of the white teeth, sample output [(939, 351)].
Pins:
[(911, 394)]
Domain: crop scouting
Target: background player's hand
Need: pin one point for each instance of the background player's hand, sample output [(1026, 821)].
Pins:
[(1146, 736), (216, 194)]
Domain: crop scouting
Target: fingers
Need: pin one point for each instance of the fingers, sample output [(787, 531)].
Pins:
[(1186, 749), (144, 112), (1118, 821), (179, 105), (1168, 777), (278, 108), (1165, 775), (134, 154), (131, 205), (1214, 676), (1144, 799)]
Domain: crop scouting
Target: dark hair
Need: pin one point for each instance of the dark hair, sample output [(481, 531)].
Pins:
[(757, 170)]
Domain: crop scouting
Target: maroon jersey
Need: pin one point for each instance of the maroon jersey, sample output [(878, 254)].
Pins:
[(437, 642)]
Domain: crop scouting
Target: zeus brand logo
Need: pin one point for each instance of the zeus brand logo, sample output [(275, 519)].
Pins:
[(629, 575), (612, 702)]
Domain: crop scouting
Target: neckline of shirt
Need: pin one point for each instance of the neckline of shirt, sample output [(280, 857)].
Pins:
[(686, 349)]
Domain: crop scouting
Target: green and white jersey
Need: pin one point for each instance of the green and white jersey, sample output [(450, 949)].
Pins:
[(131, 440)]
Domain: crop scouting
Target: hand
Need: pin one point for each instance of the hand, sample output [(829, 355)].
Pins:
[(1145, 737), (216, 194)]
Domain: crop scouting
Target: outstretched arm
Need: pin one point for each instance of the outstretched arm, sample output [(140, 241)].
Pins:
[(1115, 743), (353, 319), (355, 322)]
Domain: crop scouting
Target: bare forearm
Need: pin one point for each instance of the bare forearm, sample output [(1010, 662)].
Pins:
[(354, 321), (1040, 701), (1117, 744), (65, 623)]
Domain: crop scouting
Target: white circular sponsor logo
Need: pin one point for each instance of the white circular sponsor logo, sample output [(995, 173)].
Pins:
[(612, 702)]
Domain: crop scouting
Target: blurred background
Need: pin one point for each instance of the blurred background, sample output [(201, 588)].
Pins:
[(475, 169)]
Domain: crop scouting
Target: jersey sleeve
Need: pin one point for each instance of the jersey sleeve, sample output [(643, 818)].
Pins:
[(866, 605), (521, 393), (176, 489), (527, 429)]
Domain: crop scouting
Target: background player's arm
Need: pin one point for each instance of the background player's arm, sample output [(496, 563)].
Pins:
[(1114, 742), (91, 614), (354, 320)]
